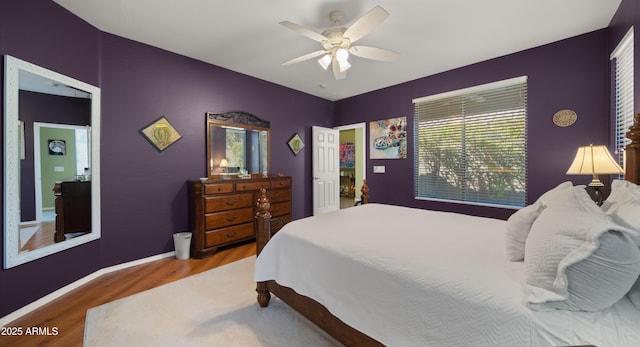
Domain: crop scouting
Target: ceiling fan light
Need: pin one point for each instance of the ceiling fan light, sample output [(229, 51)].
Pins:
[(342, 54), (325, 61), (344, 65)]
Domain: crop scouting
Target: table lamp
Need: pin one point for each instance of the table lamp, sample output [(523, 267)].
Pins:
[(224, 164), (594, 160)]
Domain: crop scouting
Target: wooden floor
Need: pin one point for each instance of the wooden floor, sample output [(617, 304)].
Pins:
[(66, 315)]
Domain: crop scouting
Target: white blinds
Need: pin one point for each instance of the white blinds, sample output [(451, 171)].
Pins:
[(471, 145), (623, 56)]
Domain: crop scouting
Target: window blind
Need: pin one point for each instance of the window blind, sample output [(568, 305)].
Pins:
[(471, 145), (623, 93)]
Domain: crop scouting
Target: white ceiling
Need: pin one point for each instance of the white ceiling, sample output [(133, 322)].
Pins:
[(432, 36)]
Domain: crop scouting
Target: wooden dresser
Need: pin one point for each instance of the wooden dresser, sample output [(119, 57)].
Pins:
[(73, 208), (221, 211)]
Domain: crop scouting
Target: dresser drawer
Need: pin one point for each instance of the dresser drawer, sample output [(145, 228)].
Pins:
[(227, 218), (228, 202), (278, 195), (229, 234), (281, 208), (218, 188), (251, 185), (280, 182)]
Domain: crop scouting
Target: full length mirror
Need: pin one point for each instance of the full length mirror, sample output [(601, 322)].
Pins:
[(51, 162), (237, 143)]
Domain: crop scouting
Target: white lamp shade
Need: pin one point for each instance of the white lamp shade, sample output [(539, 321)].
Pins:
[(594, 160), (224, 162), (325, 61)]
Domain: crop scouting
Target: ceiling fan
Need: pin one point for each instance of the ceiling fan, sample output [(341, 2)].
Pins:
[(337, 41)]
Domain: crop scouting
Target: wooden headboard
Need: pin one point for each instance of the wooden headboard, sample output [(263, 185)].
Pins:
[(632, 152)]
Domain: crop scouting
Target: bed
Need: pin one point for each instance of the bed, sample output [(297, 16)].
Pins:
[(383, 283)]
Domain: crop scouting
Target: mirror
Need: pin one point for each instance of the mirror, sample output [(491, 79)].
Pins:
[(237, 143), (51, 162)]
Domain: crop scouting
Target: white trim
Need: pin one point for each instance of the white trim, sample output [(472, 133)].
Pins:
[(74, 285), (626, 41), (498, 84)]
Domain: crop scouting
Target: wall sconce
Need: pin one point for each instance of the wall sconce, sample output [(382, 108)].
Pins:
[(594, 160)]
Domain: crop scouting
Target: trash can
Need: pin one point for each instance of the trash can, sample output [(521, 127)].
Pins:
[(182, 244)]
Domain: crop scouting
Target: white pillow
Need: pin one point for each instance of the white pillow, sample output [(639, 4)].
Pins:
[(517, 230), (623, 205), (576, 257), (628, 215), (549, 196), (634, 294), (622, 192)]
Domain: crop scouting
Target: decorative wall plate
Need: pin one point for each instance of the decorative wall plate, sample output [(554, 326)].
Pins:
[(564, 118)]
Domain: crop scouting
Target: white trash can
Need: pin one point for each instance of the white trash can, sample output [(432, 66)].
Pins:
[(182, 244)]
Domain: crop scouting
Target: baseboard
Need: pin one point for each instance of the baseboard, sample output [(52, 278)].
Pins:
[(66, 289)]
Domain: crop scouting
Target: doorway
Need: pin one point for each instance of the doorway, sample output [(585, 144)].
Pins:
[(352, 163)]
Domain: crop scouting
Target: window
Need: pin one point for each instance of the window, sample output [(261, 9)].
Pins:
[(471, 145), (623, 93)]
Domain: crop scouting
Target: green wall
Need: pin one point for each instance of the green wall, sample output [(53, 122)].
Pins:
[(49, 163)]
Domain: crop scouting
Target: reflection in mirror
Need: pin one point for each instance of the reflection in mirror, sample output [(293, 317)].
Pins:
[(237, 143), (52, 176)]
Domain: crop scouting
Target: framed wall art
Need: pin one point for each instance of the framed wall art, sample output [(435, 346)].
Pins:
[(296, 144), (388, 138), (160, 133)]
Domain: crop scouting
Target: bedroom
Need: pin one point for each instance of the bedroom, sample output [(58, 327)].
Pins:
[(141, 83)]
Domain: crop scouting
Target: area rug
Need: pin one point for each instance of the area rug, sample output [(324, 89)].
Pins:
[(214, 308)]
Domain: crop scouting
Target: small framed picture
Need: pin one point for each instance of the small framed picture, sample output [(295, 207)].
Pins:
[(296, 144), (57, 147), (160, 133)]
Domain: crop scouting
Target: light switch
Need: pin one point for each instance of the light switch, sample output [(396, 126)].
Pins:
[(58, 168), (379, 169)]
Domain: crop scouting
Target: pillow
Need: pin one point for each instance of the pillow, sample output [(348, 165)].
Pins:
[(576, 257), (517, 230), (519, 223), (634, 294), (622, 192), (549, 196), (623, 205), (628, 216)]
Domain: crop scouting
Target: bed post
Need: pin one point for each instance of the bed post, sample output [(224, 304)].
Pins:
[(263, 234), (365, 192), (632, 152)]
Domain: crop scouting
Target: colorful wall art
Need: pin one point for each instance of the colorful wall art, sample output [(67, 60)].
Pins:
[(388, 138)]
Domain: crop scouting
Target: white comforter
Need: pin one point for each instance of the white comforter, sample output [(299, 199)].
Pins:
[(412, 277)]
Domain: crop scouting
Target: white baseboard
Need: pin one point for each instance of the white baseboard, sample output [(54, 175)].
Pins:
[(66, 289)]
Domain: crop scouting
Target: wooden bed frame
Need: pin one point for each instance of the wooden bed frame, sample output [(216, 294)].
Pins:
[(318, 314)]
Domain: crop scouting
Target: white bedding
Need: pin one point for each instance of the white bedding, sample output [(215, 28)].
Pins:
[(413, 277)]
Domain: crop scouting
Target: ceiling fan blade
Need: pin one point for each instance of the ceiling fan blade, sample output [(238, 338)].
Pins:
[(374, 53), (363, 25), (304, 31), (305, 57), (339, 75)]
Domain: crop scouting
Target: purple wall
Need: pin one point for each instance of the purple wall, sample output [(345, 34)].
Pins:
[(144, 197), (143, 191), (570, 74)]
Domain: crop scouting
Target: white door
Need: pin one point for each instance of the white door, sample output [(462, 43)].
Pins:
[(326, 173)]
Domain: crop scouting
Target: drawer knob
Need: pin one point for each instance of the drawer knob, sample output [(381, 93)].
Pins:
[(231, 218), (229, 203), (272, 197), (233, 234)]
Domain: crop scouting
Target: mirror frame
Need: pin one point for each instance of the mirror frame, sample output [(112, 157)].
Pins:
[(239, 119), (12, 254)]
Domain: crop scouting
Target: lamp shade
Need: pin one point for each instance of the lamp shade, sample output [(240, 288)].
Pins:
[(594, 160), (224, 162)]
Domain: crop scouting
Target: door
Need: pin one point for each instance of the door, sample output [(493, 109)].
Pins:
[(326, 174)]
